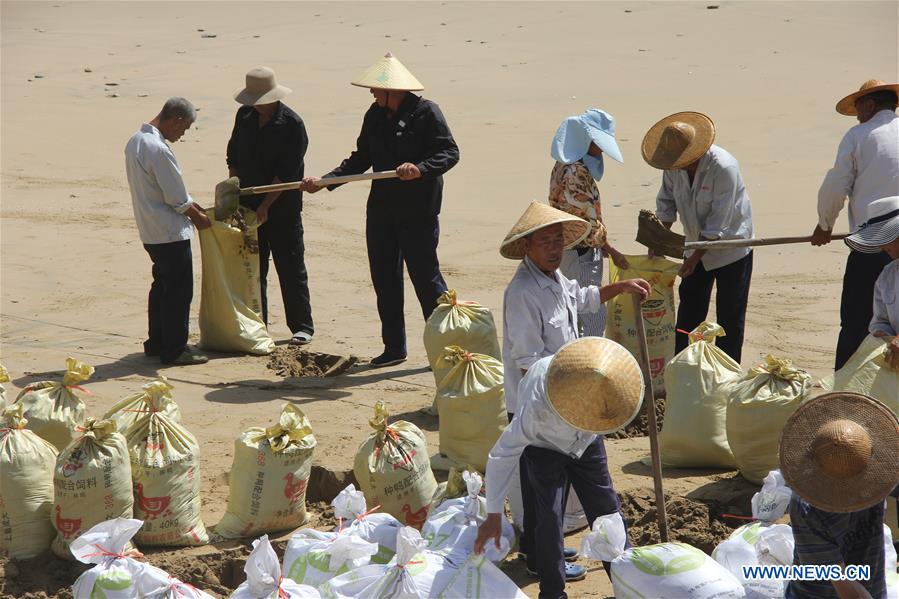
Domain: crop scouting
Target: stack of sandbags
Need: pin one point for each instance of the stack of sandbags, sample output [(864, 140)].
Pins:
[(867, 373), (760, 404), (54, 409), (351, 510), (269, 477), (157, 393), (698, 382), (26, 487), (264, 579)]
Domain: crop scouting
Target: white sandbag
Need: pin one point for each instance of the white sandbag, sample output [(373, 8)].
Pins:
[(773, 500), (351, 511), (757, 544), (313, 557), (155, 583), (890, 564), (157, 393), (663, 570), (479, 577), (54, 409), (264, 580), (116, 573)]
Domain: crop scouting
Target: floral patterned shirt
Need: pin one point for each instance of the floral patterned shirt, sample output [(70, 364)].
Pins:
[(573, 190)]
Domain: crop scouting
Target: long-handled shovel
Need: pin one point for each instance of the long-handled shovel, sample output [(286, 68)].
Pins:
[(228, 192), (649, 402)]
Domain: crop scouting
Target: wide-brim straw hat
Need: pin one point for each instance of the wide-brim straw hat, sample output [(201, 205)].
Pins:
[(536, 217), (390, 74), (881, 228), (678, 140), (595, 385), (840, 452), (261, 88), (846, 106)]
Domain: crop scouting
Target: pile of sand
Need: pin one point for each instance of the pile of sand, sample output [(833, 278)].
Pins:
[(689, 521), (288, 361), (639, 427)]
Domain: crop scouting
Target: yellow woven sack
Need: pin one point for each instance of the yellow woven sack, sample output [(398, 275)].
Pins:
[(694, 432), (165, 470), (867, 372), (269, 477), (455, 322), (157, 393), (760, 404), (26, 487), (53, 409), (472, 407), (393, 469), (92, 483), (659, 316), (231, 300), (4, 378)]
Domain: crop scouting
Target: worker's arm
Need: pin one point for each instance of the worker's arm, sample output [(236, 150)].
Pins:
[(635, 286), (850, 589), (837, 185)]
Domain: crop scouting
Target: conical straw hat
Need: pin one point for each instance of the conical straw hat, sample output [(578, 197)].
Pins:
[(595, 385), (678, 140), (536, 217), (389, 73), (846, 106), (840, 452)]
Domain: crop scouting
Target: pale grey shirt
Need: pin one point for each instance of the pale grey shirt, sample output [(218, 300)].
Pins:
[(158, 194), (539, 317), (886, 301), (715, 206), (535, 424)]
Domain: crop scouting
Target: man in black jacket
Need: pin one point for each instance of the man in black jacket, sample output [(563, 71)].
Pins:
[(406, 133)]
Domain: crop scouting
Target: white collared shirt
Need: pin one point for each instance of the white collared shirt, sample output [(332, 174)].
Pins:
[(715, 206), (886, 301), (158, 194), (866, 169), (539, 317), (535, 424)]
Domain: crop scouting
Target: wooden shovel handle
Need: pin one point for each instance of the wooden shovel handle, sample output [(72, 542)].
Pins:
[(326, 181), (726, 244)]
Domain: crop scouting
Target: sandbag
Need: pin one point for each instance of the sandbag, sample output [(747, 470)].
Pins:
[(116, 573), (155, 583), (890, 564), (54, 409), (472, 407), (264, 578), (313, 557), (741, 548), (659, 316), (867, 373), (393, 469), (698, 380), (4, 378), (165, 469), (352, 513), (479, 577), (231, 299), (91, 482), (157, 393), (759, 405), (269, 476), (26, 487), (772, 501)]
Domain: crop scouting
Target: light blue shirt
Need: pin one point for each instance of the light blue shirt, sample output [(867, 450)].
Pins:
[(886, 301)]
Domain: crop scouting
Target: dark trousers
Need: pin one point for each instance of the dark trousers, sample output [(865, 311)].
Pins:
[(392, 239), (731, 298), (857, 302), (281, 237), (550, 473), (168, 305)]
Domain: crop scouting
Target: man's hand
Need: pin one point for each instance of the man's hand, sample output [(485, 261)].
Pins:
[(407, 171), (892, 354), (639, 287), (311, 185), (820, 236), (618, 259), (490, 529), (198, 217), (689, 265), (262, 214)]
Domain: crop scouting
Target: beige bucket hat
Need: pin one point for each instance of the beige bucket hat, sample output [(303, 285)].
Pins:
[(388, 73), (538, 216), (840, 452), (261, 88), (846, 106), (678, 140), (595, 385)]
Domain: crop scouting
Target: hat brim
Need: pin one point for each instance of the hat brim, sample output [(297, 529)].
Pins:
[(574, 231), (802, 473), (606, 143), (872, 237), (411, 87), (248, 98), (846, 106), (705, 136)]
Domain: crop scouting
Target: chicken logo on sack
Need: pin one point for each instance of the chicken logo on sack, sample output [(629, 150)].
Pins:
[(67, 526), (152, 507), (415, 519), (294, 489), (74, 463)]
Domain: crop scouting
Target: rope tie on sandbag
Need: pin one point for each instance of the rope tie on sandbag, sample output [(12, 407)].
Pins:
[(737, 517), (106, 553), (691, 335), (282, 594), (30, 388), (175, 585), (412, 563)]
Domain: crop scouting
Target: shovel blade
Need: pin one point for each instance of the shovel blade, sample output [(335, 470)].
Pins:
[(657, 237), (227, 198)]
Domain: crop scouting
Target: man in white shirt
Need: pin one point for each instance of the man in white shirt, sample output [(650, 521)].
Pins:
[(866, 169), (165, 215), (567, 401), (702, 185)]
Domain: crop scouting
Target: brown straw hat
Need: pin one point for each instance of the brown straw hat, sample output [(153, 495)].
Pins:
[(595, 385), (261, 88), (390, 74), (846, 106), (840, 452), (538, 216), (678, 140)]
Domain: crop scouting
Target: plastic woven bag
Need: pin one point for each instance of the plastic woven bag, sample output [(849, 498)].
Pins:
[(4, 378), (760, 404), (155, 583), (26, 487), (867, 373), (264, 580), (354, 516), (479, 577), (393, 469), (269, 476), (157, 393), (698, 382), (231, 300), (313, 557), (92, 483), (773, 500), (54, 409), (116, 573)]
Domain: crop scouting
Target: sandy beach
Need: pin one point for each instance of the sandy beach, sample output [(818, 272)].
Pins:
[(78, 78)]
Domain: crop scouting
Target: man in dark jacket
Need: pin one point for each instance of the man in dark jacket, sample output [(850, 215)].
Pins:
[(406, 133)]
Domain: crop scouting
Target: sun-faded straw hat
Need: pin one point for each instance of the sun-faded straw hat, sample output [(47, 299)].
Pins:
[(595, 385), (390, 74), (536, 217), (881, 228), (678, 140), (261, 88), (840, 452), (846, 106)]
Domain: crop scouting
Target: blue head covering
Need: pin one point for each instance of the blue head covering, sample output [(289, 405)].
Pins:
[(573, 137)]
